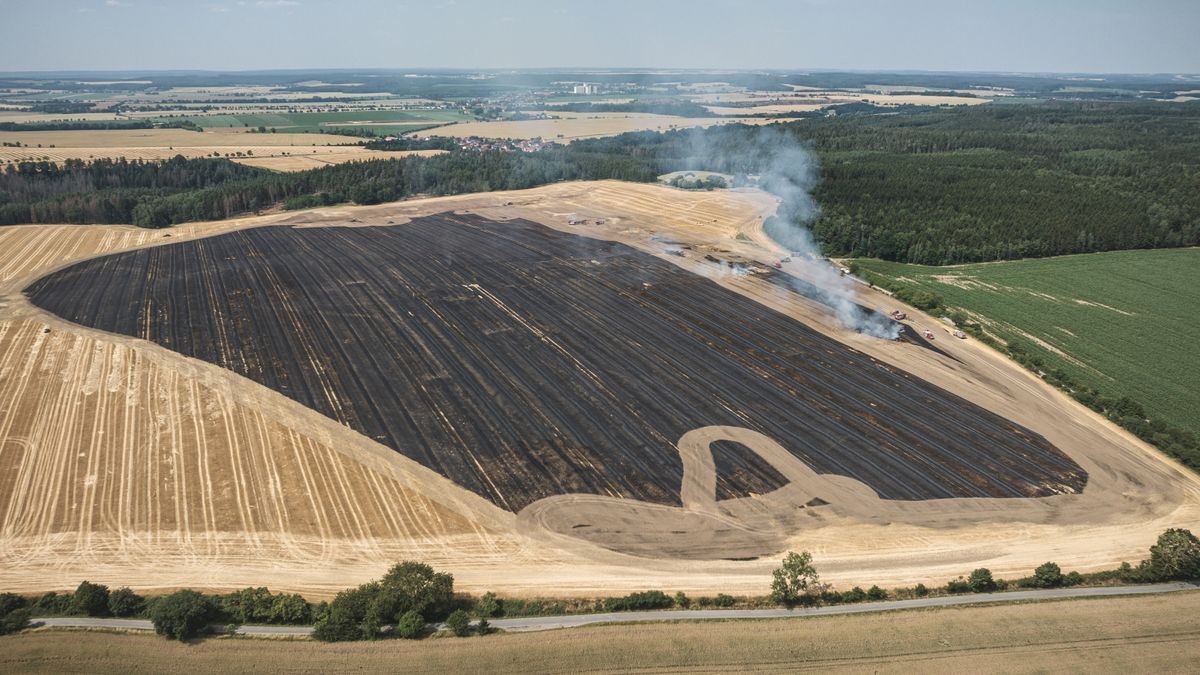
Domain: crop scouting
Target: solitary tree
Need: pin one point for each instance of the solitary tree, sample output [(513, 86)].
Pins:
[(1176, 555), (795, 580)]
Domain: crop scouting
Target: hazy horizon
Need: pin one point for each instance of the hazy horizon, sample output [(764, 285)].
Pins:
[(1020, 36)]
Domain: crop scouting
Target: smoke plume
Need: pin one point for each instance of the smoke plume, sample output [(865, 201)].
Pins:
[(790, 171)]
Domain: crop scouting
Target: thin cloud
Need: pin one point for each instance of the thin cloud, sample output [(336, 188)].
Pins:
[(276, 4)]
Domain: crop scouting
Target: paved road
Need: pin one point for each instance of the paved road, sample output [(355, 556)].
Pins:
[(143, 624), (553, 622)]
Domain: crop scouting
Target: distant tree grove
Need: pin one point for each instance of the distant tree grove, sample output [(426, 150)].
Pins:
[(922, 185)]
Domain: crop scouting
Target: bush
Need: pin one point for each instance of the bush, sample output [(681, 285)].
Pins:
[(829, 597), (459, 622), (249, 605), (488, 605), (10, 602), (958, 585), (52, 603), (682, 601), (920, 591), (876, 593), (723, 600), (13, 614), (484, 627), (346, 618), (1047, 575), (856, 594), (981, 581), (90, 599), (181, 615), (14, 621), (124, 602), (410, 626), (638, 601)]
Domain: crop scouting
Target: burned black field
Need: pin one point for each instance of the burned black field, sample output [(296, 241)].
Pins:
[(522, 362)]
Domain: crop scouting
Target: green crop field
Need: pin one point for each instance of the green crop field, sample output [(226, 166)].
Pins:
[(1126, 323)]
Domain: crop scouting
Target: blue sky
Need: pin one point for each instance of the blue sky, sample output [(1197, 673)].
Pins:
[(1014, 35)]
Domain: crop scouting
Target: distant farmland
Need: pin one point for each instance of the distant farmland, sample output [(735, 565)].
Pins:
[(1126, 322), (378, 121), (157, 144)]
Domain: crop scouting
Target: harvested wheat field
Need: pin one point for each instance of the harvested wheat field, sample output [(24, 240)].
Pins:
[(153, 144), (1138, 634), (275, 160), (571, 389)]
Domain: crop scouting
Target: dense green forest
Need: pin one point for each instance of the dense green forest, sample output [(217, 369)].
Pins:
[(985, 183), (930, 186), (105, 190), (181, 190), (993, 183), (94, 125)]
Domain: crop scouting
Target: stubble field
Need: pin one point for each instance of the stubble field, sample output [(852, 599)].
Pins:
[(157, 144), (137, 525)]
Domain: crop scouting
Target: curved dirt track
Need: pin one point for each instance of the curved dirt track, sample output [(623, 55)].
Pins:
[(112, 507)]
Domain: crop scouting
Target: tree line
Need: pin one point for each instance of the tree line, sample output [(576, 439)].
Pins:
[(97, 125), (411, 596), (929, 186), (210, 189)]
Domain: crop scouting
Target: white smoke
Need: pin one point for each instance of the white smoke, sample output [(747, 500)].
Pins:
[(790, 171)]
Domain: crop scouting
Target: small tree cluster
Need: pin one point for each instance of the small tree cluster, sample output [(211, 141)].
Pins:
[(182, 615), (409, 587)]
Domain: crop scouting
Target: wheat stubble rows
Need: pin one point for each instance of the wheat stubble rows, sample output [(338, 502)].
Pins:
[(102, 448)]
